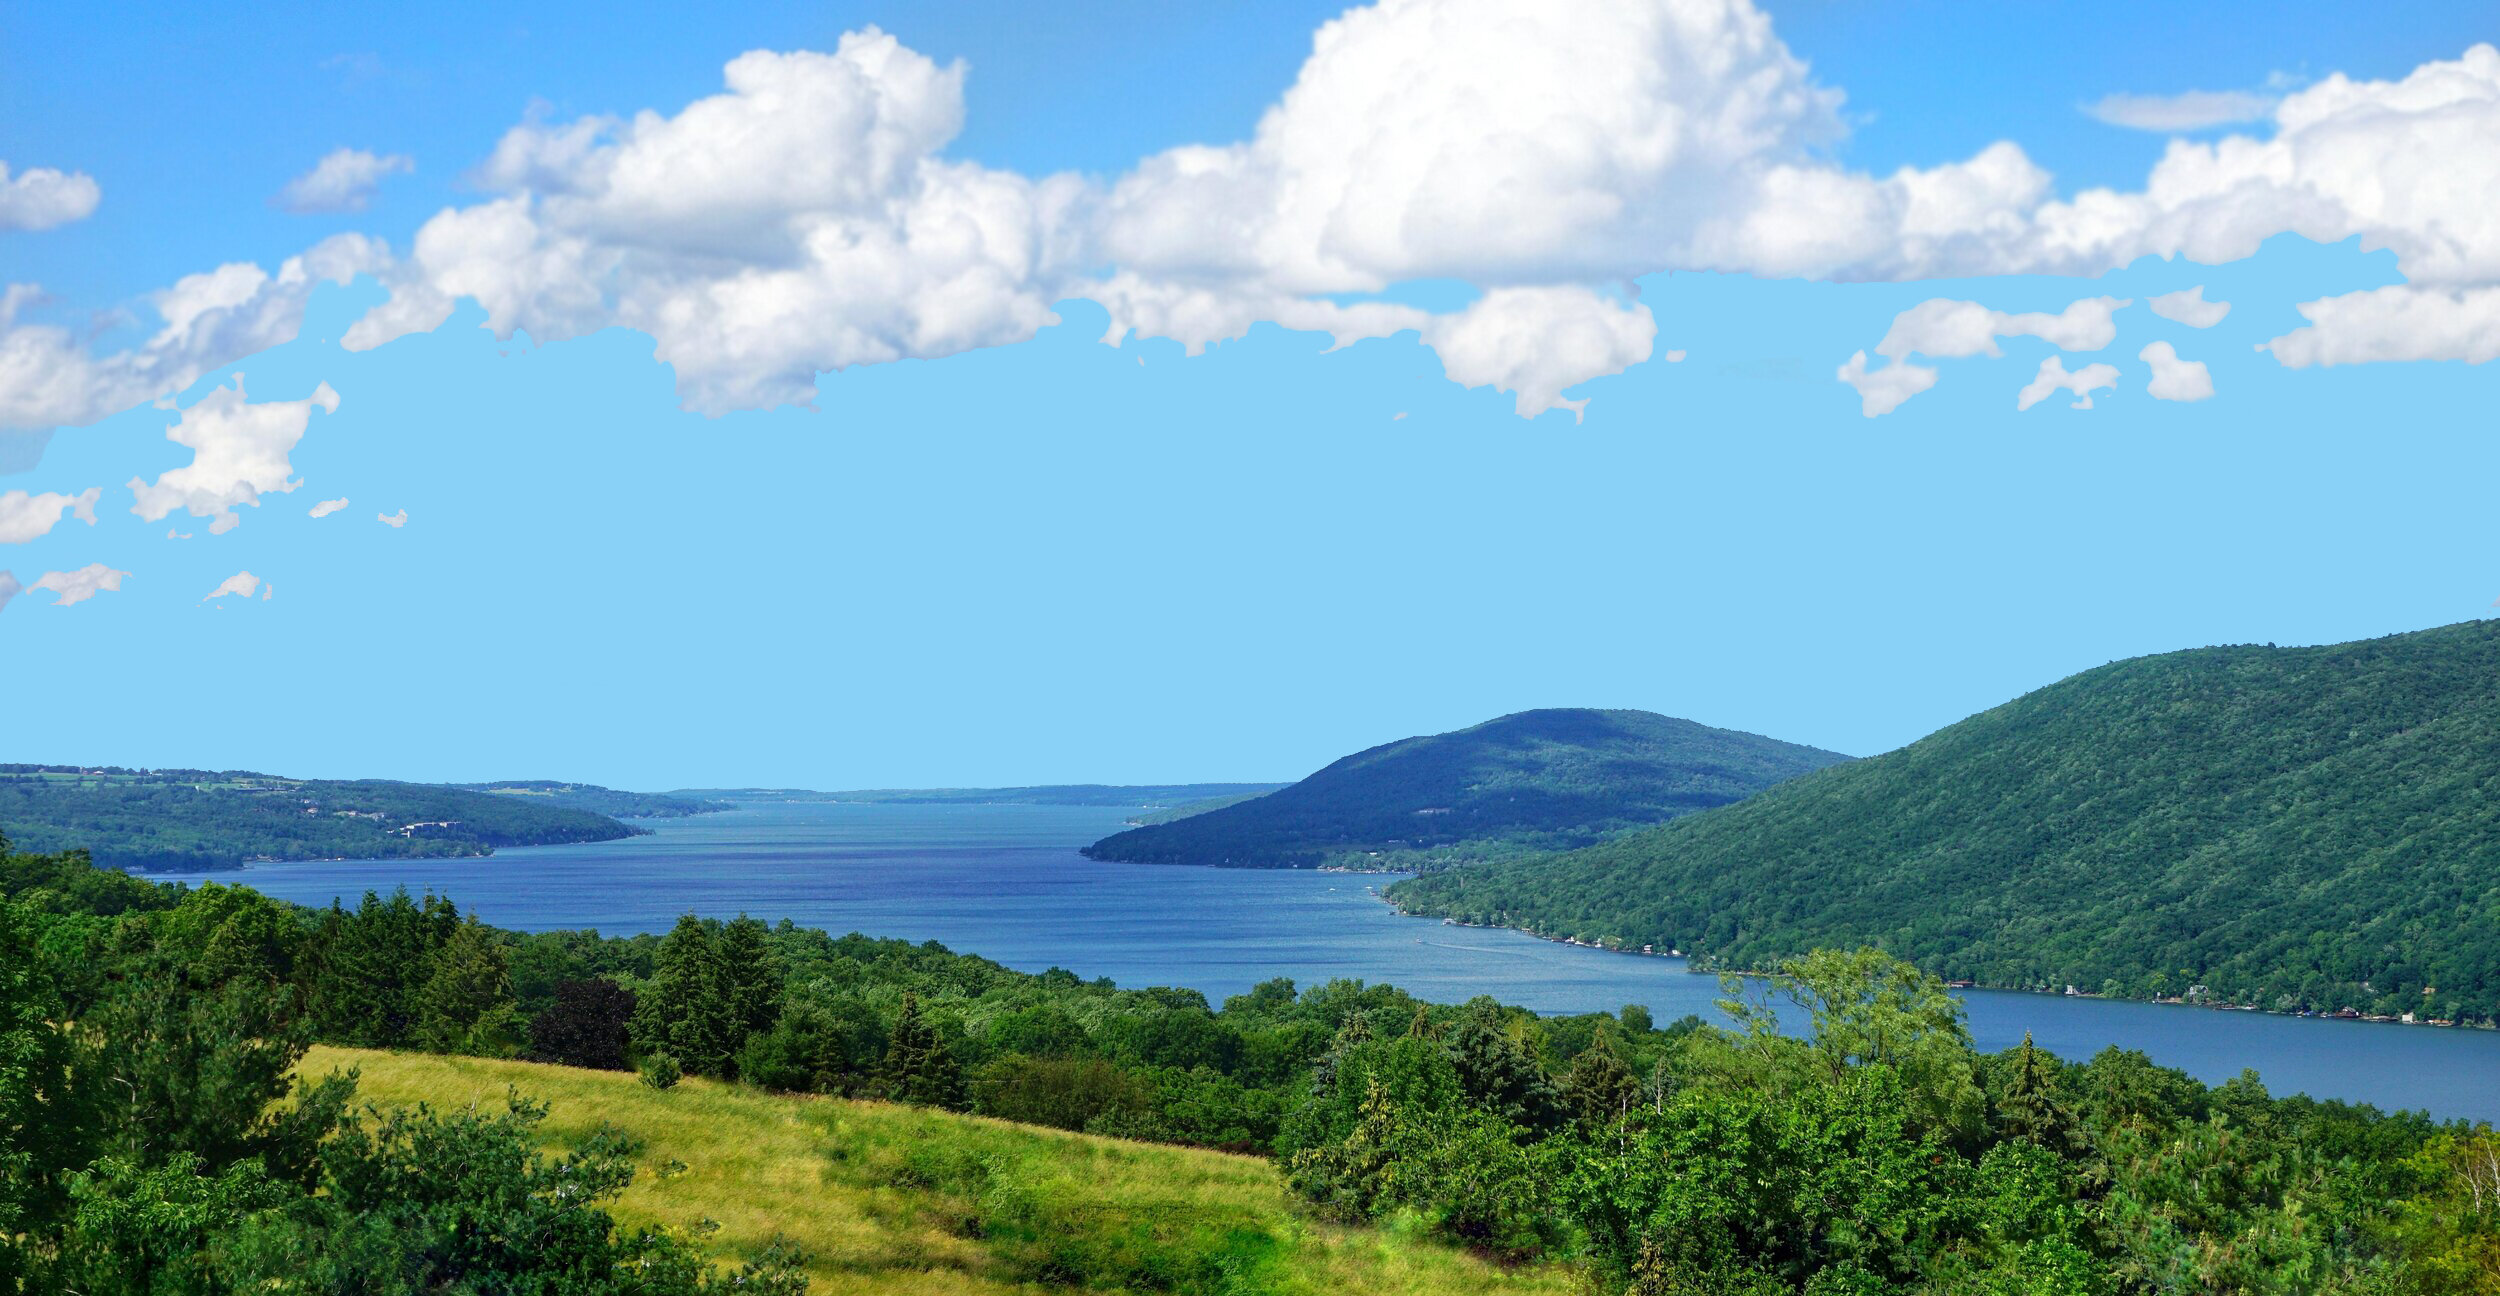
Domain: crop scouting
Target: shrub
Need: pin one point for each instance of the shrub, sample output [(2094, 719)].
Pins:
[(661, 1070)]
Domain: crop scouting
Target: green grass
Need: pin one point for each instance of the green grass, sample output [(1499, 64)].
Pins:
[(898, 1199)]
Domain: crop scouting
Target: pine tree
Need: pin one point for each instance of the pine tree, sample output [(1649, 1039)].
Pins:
[(465, 1005), (751, 978), (2030, 1110), (1496, 1073), (684, 1010), (918, 1067), (1600, 1088)]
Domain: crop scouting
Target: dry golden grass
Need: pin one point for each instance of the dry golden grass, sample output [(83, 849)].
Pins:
[(891, 1199)]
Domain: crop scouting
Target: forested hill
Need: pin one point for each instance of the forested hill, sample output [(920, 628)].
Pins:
[(1140, 795), (2285, 827), (204, 819), (599, 800), (1534, 781)]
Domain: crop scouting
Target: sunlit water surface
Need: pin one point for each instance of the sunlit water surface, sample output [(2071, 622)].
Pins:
[(1006, 882)]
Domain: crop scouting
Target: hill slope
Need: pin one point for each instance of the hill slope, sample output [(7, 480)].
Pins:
[(2294, 827), (1537, 780), (1057, 794), (599, 800), (901, 1199), (202, 819)]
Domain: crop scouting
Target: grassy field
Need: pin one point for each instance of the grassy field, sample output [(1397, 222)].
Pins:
[(891, 1199)]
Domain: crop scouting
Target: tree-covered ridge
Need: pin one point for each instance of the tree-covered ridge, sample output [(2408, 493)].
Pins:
[(599, 800), (2287, 828), (203, 819), (1054, 794), (147, 1144), (1534, 781)]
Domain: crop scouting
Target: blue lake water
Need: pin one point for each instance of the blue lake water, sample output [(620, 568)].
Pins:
[(1005, 882)]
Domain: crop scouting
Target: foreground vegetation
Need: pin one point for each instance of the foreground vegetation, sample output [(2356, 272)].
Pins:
[(150, 1143), (171, 820), (1535, 781), (2288, 828), (883, 1197)]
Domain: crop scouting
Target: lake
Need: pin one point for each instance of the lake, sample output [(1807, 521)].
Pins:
[(1005, 882)]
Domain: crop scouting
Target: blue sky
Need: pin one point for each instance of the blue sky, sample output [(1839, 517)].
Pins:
[(1018, 555)]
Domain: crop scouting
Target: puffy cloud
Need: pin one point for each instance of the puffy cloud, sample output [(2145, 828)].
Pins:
[(241, 583), (2410, 165), (49, 378), (2175, 379), (799, 222), (342, 181), (1947, 328), (41, 198), (25, 517), (392, 520), (327, 507), (2053, 377), (2190, 308), (804, 219), (1881, 391), (1535, 341), (239, 449), (2191, 110), (8, 587), (2400, 322), (1942, 328), (78, 586)]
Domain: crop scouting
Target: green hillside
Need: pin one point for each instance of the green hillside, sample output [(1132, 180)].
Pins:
[(1056, 794), (886, 1198), (599, 800), (2285, 827), (1537, 780), (202, 819)]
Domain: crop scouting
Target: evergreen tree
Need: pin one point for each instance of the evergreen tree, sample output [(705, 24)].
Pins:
[(685, 1010), (1600, 1088), (918, 1068), (1496, 1074), (2030, 1110), (465, 1006), (751, 978)]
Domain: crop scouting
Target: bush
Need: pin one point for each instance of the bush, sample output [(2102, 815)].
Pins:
[(661, 1070), (1052, 1091)]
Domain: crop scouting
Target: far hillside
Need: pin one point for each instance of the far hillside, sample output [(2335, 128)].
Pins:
[(599, 800), (1138, 795), (186, 820), (1534, 781), (2286, 828)]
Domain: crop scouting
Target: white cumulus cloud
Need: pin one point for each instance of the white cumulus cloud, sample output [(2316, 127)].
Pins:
[(25, 517), (71, 587), (342, 181), (241, 583), (1881, 391), (1943, 328), (40, 198), (327, 507), (239, 450), (50, 378), (2190, 308), (807, 218), (2400, 322), (2054, 377), (2191, 110), (2175, 379), (392, 520)]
